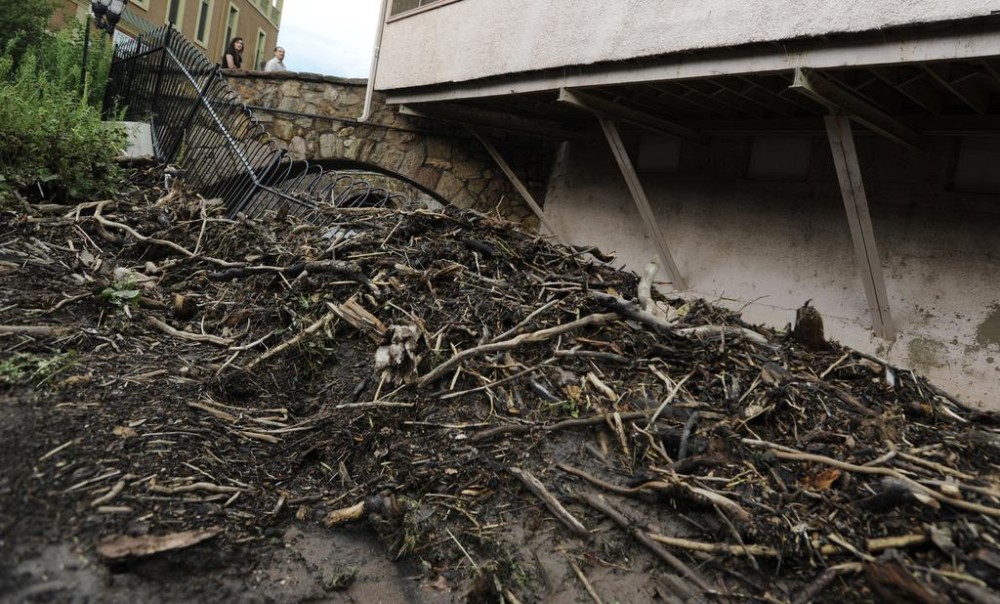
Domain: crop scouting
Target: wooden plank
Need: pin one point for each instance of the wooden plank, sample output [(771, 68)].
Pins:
[(966, 89), (493, 119), (839, 100), (537, 209), (845, 158), (914, 87), (641, 201), (602, 107)]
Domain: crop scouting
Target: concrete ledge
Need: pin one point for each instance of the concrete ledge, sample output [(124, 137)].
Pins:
[(140, 140)]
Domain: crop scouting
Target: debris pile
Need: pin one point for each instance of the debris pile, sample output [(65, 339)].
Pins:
[(520, 417)]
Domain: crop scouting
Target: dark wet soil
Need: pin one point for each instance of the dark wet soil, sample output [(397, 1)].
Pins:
[(164, 370)]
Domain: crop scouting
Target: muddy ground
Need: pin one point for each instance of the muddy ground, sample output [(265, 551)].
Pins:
[(400, 405)]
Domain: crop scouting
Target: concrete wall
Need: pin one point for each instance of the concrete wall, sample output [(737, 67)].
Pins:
[(769, 247), (474, 39)]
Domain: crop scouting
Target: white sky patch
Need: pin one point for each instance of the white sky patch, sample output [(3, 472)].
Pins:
[(329, 37)]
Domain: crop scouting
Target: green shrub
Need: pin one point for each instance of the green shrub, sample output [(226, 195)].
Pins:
[(23, 23), (53, 142)]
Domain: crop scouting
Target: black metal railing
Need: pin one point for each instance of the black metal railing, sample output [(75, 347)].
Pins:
[(200, 124)]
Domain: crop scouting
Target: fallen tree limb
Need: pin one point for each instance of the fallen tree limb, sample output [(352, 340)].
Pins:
[(111, 494), (36, 330), (645, 290), (563, 425), (784, 454), (190, 488), (194, 337), (600, 504), (561, 513), (825, 578), (674, 489), (135, 234), (535, 336), (338, 267), (728, 331), (716, 548), (381, 505), (316, 326), (631, 310), (125, 546)]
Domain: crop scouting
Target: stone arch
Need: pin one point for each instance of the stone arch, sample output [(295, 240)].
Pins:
[(315, 118), (346, 165)]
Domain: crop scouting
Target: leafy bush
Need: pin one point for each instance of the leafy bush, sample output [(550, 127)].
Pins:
[(53, 143), (24, 22)]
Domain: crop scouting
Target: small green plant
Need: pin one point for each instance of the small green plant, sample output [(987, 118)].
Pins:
[(123, 294), (53, 142), (341, 580), (33, 368)]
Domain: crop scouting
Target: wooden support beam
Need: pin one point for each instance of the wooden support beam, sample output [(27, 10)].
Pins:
[(845, 158), (748, 93), (468, 116), (793, 104), (643, 120), (841, 101), (641, 201), (914, 87), (965, 88), (672, 98), (706, 92), (870, 88), (512, 176)]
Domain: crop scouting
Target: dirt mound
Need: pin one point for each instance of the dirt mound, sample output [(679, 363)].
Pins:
[(518, 419)]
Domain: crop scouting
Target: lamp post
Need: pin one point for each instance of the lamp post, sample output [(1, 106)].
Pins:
[(106, 13)]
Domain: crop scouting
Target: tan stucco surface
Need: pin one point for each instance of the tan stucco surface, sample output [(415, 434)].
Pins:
[(766, 248), (474, 39)]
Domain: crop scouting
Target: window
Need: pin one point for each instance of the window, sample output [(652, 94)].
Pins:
[(231, 22), (402, 6), (260, 55), (204, 26), (175, 12)]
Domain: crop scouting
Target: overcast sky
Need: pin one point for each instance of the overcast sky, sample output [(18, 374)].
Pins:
[(330, 37)]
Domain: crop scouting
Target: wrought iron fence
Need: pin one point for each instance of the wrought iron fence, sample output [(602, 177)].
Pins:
[(200, 124)]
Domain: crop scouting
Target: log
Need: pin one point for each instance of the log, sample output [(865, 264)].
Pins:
[(538, 490)]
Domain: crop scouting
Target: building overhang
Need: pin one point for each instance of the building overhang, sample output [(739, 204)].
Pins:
[(899, 84)]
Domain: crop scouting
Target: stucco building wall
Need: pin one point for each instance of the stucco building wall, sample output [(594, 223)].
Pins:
[(497, 37), (766, 248)]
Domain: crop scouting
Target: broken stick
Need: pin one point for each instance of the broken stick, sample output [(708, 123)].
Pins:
[(538, 490)]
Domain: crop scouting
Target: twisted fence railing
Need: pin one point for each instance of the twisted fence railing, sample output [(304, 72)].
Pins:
[(200, 124)]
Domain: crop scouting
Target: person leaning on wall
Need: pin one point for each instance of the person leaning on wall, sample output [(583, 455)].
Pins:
[(277, 62), (233, 58)]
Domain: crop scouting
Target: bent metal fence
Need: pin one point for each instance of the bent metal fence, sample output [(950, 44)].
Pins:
[(200, 124)]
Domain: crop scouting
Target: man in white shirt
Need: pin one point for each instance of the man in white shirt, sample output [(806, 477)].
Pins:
[(277, 62)]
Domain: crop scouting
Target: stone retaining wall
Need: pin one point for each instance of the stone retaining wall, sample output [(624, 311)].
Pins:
[(316, 118)]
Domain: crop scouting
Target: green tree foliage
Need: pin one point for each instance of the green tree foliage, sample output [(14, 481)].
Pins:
[(53, 142), (23, 23)]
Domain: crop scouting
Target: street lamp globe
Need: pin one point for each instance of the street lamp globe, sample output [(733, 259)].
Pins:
[(115, 10), (99, 8), (107, 13)]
